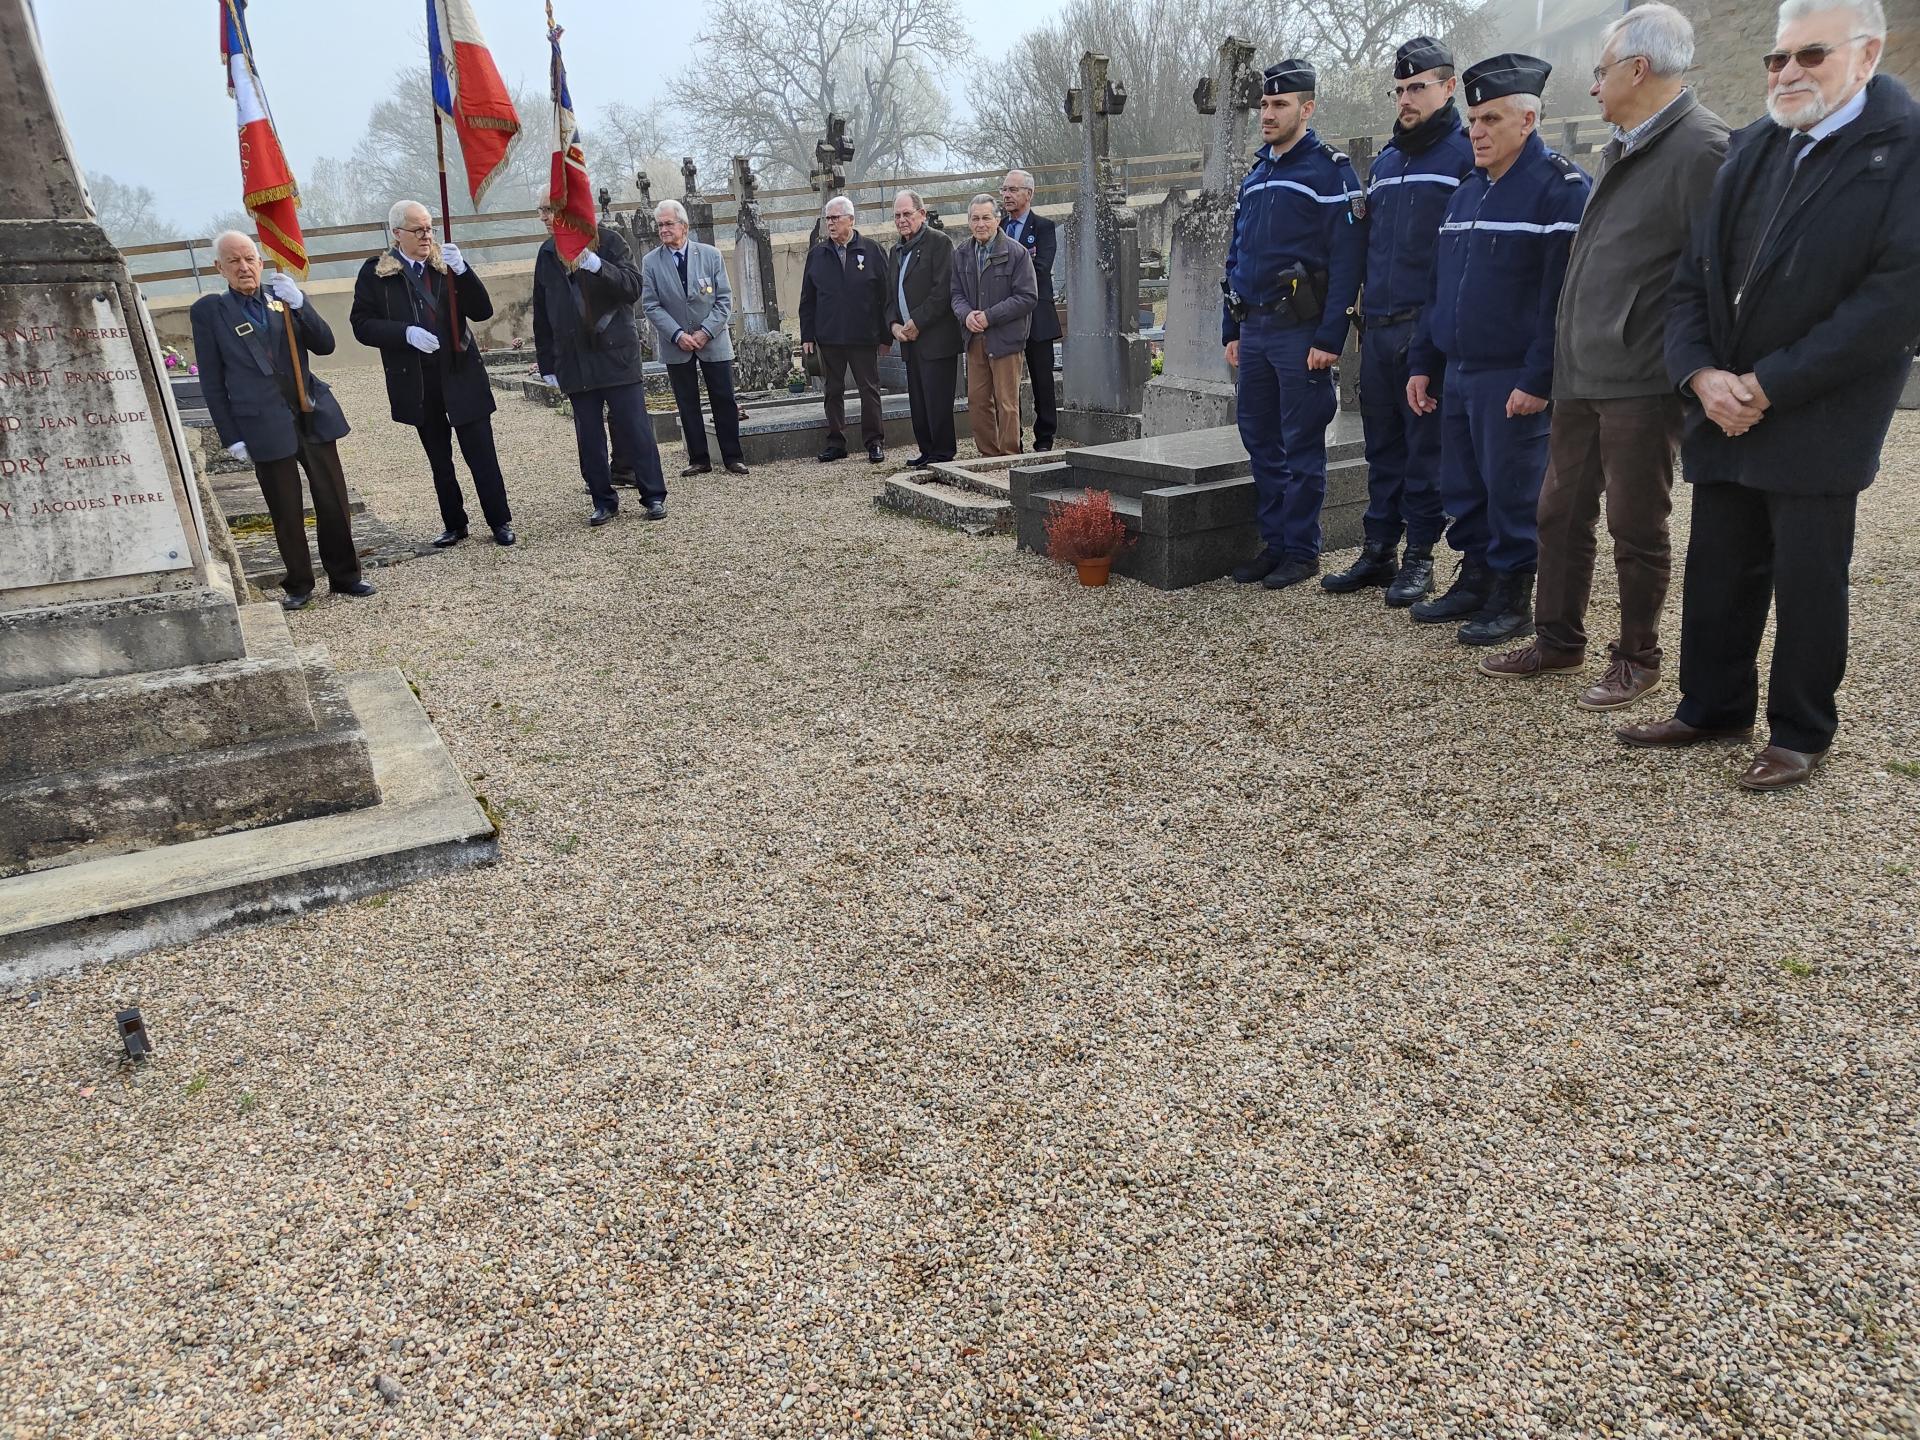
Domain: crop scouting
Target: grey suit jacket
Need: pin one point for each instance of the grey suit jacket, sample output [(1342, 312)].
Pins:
[(706, 304)]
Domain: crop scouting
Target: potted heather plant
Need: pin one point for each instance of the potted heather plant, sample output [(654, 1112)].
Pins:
[(1086, 534)]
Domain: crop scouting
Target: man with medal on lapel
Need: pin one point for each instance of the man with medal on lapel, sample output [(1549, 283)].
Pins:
[(280, 418)]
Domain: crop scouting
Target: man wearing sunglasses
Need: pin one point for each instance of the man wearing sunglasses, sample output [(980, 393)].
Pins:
[(1407, 193), (1794, 315)]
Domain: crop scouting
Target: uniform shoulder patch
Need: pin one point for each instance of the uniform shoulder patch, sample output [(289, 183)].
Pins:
[(1339, 157), (1564, 165)]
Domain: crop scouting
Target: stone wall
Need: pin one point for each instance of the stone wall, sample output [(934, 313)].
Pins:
[(1730, 36)]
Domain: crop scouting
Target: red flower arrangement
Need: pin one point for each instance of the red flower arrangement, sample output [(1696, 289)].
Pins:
[(1086, 529)]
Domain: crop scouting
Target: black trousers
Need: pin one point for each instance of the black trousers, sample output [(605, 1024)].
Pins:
[(864, 361), (1046, 411), (686, 377), (476, 444), (333, 528), (1748, 548), (930, 390), (621, 409)]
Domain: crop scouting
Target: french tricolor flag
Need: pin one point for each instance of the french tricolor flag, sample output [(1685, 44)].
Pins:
[(266, 181), (468, 90)]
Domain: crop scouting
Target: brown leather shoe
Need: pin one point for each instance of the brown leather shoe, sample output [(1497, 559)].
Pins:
[(1529, 661), (1625, 682), (1776, 768), (1676, 732)]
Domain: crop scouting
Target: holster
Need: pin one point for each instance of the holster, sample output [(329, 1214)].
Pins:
[(1306, 293)]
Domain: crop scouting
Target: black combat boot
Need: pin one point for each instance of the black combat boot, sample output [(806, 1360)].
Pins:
[(1415, 578), (1374, 565), (1259, 567), (1507, 615), (1465, 597)]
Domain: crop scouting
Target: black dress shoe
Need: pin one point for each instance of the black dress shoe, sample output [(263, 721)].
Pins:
[(359, 589), (449, 538), (918, 462), (1258, 568), (832, 452), (503, 535), (602, 514), (656, 510), (296, 602), (875, 454), (738, 467), (1375, 565), (1290, 572), (696, 470), (1040, 445)]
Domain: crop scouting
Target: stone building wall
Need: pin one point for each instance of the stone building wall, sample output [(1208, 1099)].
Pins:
[(1730, 36)]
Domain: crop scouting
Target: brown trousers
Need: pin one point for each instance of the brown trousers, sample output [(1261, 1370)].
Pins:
[(993, 399), (1622, 450), (864, 362), (280, 485)]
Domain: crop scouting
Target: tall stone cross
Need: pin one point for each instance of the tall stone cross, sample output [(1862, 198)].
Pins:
[(1105, 361), (753, 251), (1203, 231), (699, 211), (829, 174)]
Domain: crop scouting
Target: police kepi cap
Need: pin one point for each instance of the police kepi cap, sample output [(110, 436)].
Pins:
[(1423, 52), (1499, 75), (1289, 77)]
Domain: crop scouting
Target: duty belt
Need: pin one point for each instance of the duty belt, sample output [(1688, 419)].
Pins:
[(1398, 317)]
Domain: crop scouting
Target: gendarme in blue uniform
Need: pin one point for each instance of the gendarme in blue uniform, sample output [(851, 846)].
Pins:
[(1303, 207), (1496, 285), (1411, 184)]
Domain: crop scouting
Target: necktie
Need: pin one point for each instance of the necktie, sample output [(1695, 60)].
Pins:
[(256, 309), (680, 259), (842, 250)]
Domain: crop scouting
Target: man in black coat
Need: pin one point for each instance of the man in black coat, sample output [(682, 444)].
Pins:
[(401, 308), (920, 315), (1026, 226), (587, 343), (843, 313), (1794, 315), (253, 395)]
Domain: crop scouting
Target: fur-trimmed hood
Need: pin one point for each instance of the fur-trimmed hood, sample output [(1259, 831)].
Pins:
[(388, 265)]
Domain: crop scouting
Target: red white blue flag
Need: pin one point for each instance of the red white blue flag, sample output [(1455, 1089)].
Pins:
[(468, 90), (568, 188), (266, 180)]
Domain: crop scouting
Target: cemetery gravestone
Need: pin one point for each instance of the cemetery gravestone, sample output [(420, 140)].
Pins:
[(699, 210)]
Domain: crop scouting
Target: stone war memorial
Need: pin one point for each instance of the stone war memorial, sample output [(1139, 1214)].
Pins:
[(170, 760)]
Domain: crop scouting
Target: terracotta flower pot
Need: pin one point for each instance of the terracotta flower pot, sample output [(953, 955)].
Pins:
[(1094, 572)]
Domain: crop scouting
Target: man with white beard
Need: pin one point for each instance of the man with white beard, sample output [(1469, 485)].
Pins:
[(1795, 311)]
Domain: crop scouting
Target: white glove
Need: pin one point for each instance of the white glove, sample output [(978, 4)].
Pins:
[(450, 253), (590, 262), (238, 449), (425, 341), (285, 291), (553, 380)]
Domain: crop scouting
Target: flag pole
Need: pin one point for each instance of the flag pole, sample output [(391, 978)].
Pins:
[(293, 353), (446, 222)]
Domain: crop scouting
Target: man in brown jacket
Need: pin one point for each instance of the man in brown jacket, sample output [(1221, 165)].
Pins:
[(994, 292), (1616, 417)]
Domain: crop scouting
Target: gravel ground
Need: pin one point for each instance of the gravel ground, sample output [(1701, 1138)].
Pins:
[(922, 998)]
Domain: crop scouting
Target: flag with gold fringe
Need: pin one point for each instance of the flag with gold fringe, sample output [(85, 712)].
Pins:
[(568, 189), (266, 181)]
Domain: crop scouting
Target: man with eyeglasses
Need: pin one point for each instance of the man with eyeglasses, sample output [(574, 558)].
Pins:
[(1414, 177), (403, 306), (1794, 314), (1293, 272), (1026, 226), (1616, 418), (1488, 329)]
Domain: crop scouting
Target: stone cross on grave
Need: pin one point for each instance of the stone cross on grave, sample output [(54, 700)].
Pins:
[(759, 307), (829, 174), (1106, 360), (699, 211), (1192, 362), (645, 237)]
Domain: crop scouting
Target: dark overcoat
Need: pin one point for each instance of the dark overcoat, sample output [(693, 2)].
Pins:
[(386, 301)]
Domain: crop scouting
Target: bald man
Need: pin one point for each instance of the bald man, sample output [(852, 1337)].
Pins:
[(247, 371)]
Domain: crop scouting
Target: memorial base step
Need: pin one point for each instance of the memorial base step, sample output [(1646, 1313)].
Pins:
[(947, 505)]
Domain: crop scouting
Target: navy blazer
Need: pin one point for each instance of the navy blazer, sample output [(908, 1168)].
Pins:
[(243, 370), (1040, 236)]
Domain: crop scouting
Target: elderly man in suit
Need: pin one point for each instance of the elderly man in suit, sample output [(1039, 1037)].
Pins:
[(403, 304), (993, 295), (587, 344), (254, 394), (686, 295), (1794, 314), (920, 315), (1026, 226)]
